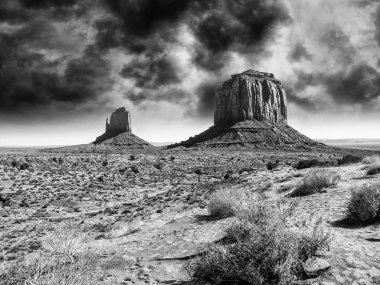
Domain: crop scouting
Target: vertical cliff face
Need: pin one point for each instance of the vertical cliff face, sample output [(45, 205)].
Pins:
[(120, 122), (250, 95)]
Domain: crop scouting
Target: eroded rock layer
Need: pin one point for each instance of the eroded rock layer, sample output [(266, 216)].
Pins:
[(250, 95), (251, 134)]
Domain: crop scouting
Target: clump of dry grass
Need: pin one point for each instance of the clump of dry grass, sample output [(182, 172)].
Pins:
[(66, 239), (225, 201), (364, 204), (263, 247), (53, 270), (125, 229), (374, 159), (67, 261), (373, 164), (315, 181)]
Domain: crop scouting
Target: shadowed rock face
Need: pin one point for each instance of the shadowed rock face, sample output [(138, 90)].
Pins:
[(250, 95), (120, 122)]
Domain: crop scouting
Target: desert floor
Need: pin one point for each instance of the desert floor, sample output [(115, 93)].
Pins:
[(145, 214)]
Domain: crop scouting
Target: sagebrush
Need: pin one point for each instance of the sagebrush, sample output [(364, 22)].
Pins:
[(262, 247), (364, 204), (315, 181)]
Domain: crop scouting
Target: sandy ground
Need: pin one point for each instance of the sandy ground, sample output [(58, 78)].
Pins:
[(146, 214)]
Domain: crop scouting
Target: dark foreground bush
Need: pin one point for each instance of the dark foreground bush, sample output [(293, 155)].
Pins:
[(308, 163), (348, 159), (364, 205), (263, 248), (315, 181), (373, 169)]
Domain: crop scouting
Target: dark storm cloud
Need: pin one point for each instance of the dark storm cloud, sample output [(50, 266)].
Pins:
[(172, 95), (299, 52), (10, 12), (41, 67), (347, 82), (152, 73), (142, 17), (377, 25), (360, 85), (302, 102), (40, 4), (24, 86), (240, 26), (338, 42), (206, 95), (149, 28)]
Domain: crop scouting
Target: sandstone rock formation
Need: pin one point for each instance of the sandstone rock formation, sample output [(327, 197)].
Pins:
[(119, 132), (250, 111), (250, 95), (120, 121)]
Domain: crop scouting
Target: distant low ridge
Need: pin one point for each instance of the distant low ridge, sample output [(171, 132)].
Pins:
[(250, 111)]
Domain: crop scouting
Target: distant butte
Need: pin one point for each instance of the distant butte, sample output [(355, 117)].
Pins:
[(250, 111), (119, 132)]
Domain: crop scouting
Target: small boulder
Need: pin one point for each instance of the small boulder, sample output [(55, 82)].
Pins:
[(315, 266)]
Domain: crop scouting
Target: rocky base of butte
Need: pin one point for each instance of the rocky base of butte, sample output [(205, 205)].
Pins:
[(250, 111)]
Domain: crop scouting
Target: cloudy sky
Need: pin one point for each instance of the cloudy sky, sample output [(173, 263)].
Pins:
[(65, 65)]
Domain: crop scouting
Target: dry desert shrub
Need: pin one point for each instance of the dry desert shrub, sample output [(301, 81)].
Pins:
[(53, 270), (315, 181), (66, 262), (225, 201), (262, 247), (374, 159), (66, 239), (364, 204), (373, 169), (309, 163), (125, 229), (349, 159)]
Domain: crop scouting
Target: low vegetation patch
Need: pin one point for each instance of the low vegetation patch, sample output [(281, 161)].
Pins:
[(66, 239), (225, 202), (308, 163), (349, 158), (221, 203), (263, 247), (374, 159), (364, 205), (125, 229), (315, 181), (53, 270), (373, 169), (66, 260)]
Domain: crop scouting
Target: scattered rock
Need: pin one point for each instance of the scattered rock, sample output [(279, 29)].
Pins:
[(315, 266)]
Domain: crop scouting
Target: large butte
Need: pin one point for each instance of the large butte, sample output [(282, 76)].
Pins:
[(250, 111)]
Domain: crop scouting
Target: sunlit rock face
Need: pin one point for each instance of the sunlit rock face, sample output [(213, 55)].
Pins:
[(120, 122), (250, 95)]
